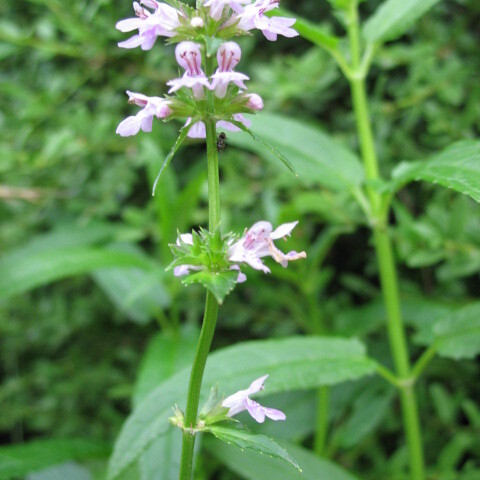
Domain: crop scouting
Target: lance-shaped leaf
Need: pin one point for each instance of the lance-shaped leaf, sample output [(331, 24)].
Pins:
[(393, 18), (270, 147), (316, 157), (309, 30), (18, 460), (39, 268), (457, 167), (296, 363), (252, 466), (244, 439), (180, 139)]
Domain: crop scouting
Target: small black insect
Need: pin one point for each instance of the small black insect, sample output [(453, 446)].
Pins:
[(221, 141)]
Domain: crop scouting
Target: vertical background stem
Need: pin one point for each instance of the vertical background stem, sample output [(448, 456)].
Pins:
[(385, 258)]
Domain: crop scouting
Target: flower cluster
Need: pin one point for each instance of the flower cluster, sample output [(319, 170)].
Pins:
[(189, 27), (257, 242)]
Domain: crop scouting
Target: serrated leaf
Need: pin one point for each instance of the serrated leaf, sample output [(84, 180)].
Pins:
[(393, 18), (18, 460), (180, 139), (219, 283), (39, 268), (316, 157), (457, 167), (244, 439), (253, 466), (293, 364)]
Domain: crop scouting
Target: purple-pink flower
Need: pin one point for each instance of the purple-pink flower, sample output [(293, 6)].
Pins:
[(180, 270), (240, 401), (189, 57), (228, 56), (197, 130), (258, 242), (217, 6), (152, 107), (162, 22), (253, 16)]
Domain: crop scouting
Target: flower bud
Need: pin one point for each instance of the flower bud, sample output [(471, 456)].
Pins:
[(197, 22), (228, 56), (189, 57), (254, 101)]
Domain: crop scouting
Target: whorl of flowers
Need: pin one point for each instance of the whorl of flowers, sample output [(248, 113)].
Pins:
[(189, 27)]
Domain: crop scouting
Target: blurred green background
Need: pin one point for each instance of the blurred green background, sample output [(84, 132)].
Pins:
[(83, 244)]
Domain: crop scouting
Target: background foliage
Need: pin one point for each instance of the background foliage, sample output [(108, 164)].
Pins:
[(83, 291)]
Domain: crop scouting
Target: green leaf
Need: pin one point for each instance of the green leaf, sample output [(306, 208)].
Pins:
[(317, 158), (458, 335), (220, 284), (393, 18), (457, 167), (293, 364), (20, 274), (166, 354), (18, 460), (244, 439), (180, 139), (253, 466), (272, 149), (310, 31)]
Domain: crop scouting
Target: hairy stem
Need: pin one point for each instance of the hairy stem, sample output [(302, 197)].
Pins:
[(385, 258)]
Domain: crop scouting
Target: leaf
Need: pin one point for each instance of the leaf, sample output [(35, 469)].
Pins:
[(18, 460), (21, 274), (393, 18), (457, 167), (69, 470), (272, 149), (180, 139), (253, 466), (310, 31), (317, 158), (458, 335), (138, 293), (167, 353), (296, 363), (244, 439), (220, 284)]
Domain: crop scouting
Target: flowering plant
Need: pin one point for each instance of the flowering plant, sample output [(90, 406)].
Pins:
[(209, 97)]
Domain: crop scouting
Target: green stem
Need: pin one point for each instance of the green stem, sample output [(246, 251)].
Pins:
[(196, 376), (211, 305), (385, 258), (423, 361)]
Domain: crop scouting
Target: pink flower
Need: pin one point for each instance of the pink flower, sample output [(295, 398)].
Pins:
[(181, 270), (162, 22), (254, 101), (258, 243), (189, 57), (198, 128), (240, 401), (217, 6), (228, 56), (152, 106), (253, 17)]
